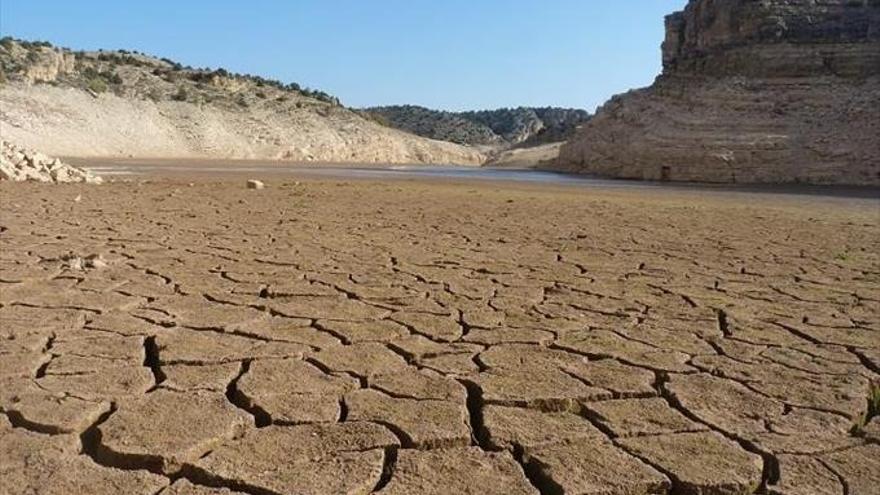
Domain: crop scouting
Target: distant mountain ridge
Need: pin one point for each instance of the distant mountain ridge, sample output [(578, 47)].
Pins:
[(523, 126)]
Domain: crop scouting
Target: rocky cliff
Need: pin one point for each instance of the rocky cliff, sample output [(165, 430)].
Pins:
[(129, 104), (751, 91)]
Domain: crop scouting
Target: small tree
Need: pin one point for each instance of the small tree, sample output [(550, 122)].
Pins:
[(180, 95)]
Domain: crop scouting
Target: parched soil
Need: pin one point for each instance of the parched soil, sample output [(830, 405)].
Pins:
[(407, 337)]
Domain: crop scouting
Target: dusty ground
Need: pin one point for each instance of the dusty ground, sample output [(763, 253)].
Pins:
[(406, 337)]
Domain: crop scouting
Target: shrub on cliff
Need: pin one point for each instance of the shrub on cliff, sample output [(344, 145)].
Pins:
[(97, 85), (180, 95)]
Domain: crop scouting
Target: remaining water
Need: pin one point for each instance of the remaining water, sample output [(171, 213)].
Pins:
[(131, 168), (394, 171)]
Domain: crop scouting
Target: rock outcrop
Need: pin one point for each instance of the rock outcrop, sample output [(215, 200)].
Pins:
[(775, 91), (19, 164)]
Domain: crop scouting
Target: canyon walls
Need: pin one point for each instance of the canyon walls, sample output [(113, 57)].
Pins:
[(769, 91)]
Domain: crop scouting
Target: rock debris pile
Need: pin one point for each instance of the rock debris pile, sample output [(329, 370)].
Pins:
[(20, 164)]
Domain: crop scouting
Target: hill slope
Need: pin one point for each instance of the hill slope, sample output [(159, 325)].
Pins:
[(506, 126), (129, 104), (771, 91)]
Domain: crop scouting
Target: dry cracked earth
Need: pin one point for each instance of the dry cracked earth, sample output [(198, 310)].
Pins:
[(405, 337)]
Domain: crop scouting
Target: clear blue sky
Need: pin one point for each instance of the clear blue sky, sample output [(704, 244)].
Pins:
[(449, 54)]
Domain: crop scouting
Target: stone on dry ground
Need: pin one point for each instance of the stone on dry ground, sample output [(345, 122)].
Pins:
[(354, 337)]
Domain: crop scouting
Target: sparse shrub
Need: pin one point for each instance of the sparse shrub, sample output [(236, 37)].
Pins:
[(112, 77), (97, 85), (242, 102), (261, 94), (378, 118), (874, 399), (180, 95)]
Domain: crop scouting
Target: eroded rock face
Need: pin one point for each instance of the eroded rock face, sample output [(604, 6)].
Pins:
[(774, 91), (45, 63)]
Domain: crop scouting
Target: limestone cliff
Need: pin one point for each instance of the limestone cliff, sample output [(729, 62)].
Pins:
[(751, 91)]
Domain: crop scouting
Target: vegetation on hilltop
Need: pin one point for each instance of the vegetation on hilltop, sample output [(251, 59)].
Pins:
[(135, 74), (521, 126)]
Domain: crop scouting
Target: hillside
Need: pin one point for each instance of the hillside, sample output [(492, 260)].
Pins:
[(122, 103), (521, 126), (773, 91)]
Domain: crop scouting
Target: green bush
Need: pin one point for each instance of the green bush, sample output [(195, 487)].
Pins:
[(111, 77), (97, 85)]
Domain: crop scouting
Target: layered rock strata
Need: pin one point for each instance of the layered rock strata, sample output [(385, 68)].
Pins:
[(751, 92)]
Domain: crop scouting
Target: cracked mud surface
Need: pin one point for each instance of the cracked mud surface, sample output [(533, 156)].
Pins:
[(410, 337)]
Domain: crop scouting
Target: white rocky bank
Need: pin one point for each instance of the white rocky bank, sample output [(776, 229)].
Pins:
[(19, 164)]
